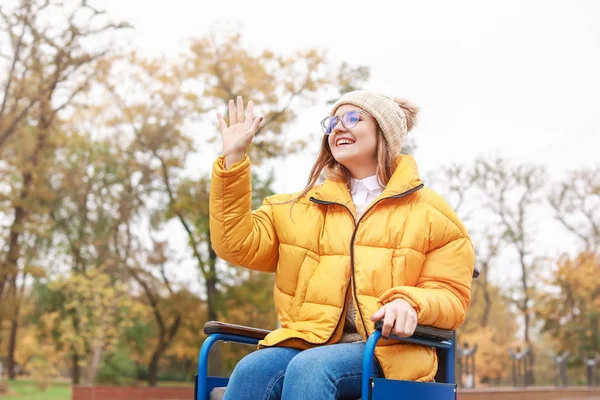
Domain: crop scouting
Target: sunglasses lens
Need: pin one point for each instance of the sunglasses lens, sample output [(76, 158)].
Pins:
[(351, 118)]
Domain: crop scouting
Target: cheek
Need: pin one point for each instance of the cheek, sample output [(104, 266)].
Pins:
[(371, 145), (329, 141), (375, 147)]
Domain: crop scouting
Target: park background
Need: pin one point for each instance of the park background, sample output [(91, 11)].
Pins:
[(108, 134)]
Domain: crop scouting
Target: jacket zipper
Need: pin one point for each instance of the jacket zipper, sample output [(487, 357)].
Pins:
[(398, 196), (352, 280), (347, 287)]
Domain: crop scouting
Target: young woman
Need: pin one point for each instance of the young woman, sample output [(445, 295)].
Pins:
[(370, 243)]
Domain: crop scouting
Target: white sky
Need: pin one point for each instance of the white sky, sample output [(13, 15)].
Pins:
[(518, 78), (515, 78)]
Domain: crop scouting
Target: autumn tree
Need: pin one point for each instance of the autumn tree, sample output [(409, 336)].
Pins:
[(513, 193), (162, 97), (276, 83), (570, 307), (96, 312), (38, 353), (100, 191), (47, 66), (489, 323), (576, 204), (167, 310), (183, 351), (460, 185)]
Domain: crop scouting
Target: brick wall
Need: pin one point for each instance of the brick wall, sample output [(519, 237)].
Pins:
[(132, 393), (187, 393), (539, 393)]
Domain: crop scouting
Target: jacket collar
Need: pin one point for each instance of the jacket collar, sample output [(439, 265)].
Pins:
[(404, 178)]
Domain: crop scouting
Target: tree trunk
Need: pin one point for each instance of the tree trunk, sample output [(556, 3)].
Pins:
[(12, 260), (10, 268), (92, 368), (215, 364), (164, 340), (76, 378), (529, 374), (153, 367), (211, 294), (12, 344), (487, 298)]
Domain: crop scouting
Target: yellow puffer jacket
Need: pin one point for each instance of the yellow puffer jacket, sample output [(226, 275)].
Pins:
[(409, 244)]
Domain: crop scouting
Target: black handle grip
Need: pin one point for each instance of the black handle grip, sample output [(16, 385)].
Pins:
[(424, 331)]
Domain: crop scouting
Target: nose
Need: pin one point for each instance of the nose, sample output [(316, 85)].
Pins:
[(339, 127)]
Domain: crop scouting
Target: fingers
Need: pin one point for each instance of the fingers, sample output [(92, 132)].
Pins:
[(240, 109), (399, 318), (388, 322), (406, 323), (232, 113), (410, 325), (238, 116), (222, 123), (378, 314)]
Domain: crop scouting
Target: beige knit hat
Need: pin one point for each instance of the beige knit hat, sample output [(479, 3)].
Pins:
[(396, 117)]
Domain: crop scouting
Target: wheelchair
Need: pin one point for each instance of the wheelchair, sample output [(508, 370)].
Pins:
[(442, 388)]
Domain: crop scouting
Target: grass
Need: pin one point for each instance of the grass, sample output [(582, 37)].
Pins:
[(29, 390)]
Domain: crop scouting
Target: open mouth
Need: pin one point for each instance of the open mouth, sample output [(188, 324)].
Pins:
[(343, 142)]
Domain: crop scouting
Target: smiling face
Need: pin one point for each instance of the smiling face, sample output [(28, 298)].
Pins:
[(355, 148)]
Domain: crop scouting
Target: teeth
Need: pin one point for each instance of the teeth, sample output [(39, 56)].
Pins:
[(344, 141)]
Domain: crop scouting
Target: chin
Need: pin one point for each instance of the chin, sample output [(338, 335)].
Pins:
[(347, 162), (343, 159)]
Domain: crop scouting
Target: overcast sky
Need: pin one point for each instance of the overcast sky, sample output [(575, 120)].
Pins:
[(516, 78)]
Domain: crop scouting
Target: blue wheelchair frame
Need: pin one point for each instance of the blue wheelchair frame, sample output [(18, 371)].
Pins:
[(372, 388)]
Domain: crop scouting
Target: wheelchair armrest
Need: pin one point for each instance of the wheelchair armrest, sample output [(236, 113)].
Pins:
[(422, 331), (212, 327)]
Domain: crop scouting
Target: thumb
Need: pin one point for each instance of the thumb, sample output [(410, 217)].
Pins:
[(378, 314)]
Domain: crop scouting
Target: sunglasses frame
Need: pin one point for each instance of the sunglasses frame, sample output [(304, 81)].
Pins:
[(338, 119)]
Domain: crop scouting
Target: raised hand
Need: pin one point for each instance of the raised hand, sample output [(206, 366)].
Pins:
[(240, 132)]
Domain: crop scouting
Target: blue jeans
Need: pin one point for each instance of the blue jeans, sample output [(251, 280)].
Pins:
[(322, 373)]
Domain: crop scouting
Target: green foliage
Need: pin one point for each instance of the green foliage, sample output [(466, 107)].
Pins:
[(117, 367)]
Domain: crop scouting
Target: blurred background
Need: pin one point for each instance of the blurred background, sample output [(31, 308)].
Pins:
[(108, 134)]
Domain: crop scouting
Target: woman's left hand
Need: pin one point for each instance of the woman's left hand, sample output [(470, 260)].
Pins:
[(399, 318)]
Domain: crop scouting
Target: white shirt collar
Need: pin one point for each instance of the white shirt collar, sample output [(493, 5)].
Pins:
[(370, 183)]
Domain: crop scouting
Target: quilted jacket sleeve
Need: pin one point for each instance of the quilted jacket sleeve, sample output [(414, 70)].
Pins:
[(239, 235), (442, 294)]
